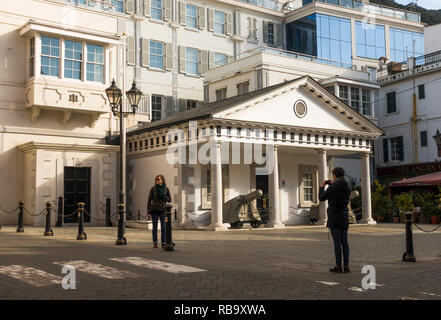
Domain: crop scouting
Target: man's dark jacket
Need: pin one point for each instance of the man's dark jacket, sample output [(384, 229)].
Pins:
[(337, 195)]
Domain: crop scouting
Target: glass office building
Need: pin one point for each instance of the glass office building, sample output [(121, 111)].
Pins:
[(402, 44), (370, 40), (322, 36)]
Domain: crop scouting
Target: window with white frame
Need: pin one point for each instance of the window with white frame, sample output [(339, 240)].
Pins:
[(395, 148), (191, 104), (118, 5), (156, 54), (355, 99), (243, 87), (308, 185), (271, 32), (50, 56), (31, 57), (95, 63), (221, 94), (359, 99), (366, 102), (73, 59), (219, 22), (191, 18), (156, 9), (220, 59), (191, 61), (343, 93), (156, 107)]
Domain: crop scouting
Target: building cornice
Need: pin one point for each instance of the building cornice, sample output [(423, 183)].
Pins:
[(30, 146)]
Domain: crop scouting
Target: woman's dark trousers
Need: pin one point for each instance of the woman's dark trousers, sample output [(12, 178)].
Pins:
[(340, 237), (161, 216)]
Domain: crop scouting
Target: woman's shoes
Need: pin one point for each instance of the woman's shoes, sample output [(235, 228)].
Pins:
[(155, 245), (336, 270), (163, 245), (346, 270)]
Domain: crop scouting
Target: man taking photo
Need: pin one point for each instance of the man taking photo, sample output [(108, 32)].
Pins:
[(337, 195)]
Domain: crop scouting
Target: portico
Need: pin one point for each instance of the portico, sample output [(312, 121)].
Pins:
[(281, 139)]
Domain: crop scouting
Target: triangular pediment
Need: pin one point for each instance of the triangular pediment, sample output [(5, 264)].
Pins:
[(300, 103)]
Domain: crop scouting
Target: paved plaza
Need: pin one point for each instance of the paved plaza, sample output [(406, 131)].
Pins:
[(290, 263)]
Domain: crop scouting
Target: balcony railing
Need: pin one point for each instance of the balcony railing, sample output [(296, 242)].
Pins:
[(372, 9), (269, 4), (99, 5), (427, 59)]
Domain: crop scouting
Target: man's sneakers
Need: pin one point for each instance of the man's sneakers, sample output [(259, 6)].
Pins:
[(340, 270)]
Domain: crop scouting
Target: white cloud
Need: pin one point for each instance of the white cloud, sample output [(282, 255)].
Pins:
[(427, 4)]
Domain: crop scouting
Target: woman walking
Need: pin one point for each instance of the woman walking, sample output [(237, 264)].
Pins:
[(158, 197)]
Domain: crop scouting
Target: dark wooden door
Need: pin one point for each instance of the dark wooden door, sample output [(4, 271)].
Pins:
[(76, 189), (263, 203)]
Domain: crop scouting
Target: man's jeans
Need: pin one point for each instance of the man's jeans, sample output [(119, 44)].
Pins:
[(340, 238), (161, 216)]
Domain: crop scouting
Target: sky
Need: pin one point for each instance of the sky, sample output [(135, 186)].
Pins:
[(427, 4)]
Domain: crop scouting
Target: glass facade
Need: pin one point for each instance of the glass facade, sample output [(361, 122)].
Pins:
[(402, 44), (323, 36), (370, 40)]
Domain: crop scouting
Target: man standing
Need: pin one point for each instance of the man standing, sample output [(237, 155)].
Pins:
[(337, 195)]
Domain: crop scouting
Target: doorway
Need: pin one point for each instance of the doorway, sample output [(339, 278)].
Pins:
[(76, 189)]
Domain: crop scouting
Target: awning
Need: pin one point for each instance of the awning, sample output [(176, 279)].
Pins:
[(432, 179)]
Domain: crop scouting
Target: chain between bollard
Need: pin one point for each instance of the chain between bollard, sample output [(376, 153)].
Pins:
[(9, 212), (34, 215), (436, 228)]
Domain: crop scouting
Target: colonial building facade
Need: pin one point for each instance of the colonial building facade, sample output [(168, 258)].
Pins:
[(60, 55)]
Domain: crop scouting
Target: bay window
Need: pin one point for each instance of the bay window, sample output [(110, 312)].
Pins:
[(50, 56)]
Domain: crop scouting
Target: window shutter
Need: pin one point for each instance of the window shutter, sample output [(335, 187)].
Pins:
[(145, 109), (385, 151), (168, 53), (131, 50), (400, 148), (265, 31), (278, 35), (199, 62), (204, 61), (201, 18), (147, 8), (167, 13), (210, 20), (182, 105), (181, 59), (130, 6), (145, 55), (229, 23), (210, 60), (182, 8), (255, 28), (249, 27), (169, 106)]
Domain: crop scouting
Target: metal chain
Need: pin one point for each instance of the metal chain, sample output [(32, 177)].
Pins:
[(98, 219), (67, 215), (9, 212), (34, 215), (426, 230)]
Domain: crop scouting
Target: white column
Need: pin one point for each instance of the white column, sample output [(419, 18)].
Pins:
[(216, 189), (366, 190), (276, 218), (323, 175)]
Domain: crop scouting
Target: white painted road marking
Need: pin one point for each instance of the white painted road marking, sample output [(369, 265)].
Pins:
[(99, 270), (32, 276), (329, 283), (356, 289), (431, 294), (158, 265)]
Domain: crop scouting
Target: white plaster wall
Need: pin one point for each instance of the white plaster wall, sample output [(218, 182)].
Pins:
[(432, 40), (239, 180)]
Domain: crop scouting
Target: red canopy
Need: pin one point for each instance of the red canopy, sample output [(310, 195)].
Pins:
[(432, 179)]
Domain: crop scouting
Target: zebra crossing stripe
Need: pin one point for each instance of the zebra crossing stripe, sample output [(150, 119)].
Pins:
[(32, 276), (329, 283), (99, 270), (158, 265)]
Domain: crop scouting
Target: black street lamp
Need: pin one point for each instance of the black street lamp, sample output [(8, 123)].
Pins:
[(437, 138), (114, 94)]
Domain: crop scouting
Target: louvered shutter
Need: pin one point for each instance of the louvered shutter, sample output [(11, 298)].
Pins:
[(182, 105), (249, 27), (255, 28), (400, 149), (201, 18), (131, 50), (181, 59), (265, 31), (167, 13), (182, 8), (278, 34), (210, 20), (211, 64), (168, 52), (199, 62), (385, 150), (204, 61), (169, 106), (130, 6), (145, 54), (147, 8), (229, 23)]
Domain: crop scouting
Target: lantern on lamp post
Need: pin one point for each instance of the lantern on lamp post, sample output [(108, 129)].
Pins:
[(437, 138)]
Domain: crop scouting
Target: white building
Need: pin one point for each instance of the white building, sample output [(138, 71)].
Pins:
[(432, 41), (410, 117), (58, 56)]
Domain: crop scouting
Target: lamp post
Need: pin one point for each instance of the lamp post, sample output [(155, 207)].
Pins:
[(114, 95), (437, 138)]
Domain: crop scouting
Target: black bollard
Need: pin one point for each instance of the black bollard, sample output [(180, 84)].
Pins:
[(20, 217), (408, 255), (48, 231), (169, 245), (139, 214), (121, 239), (108, 220), (81, 234), (59, 222)]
